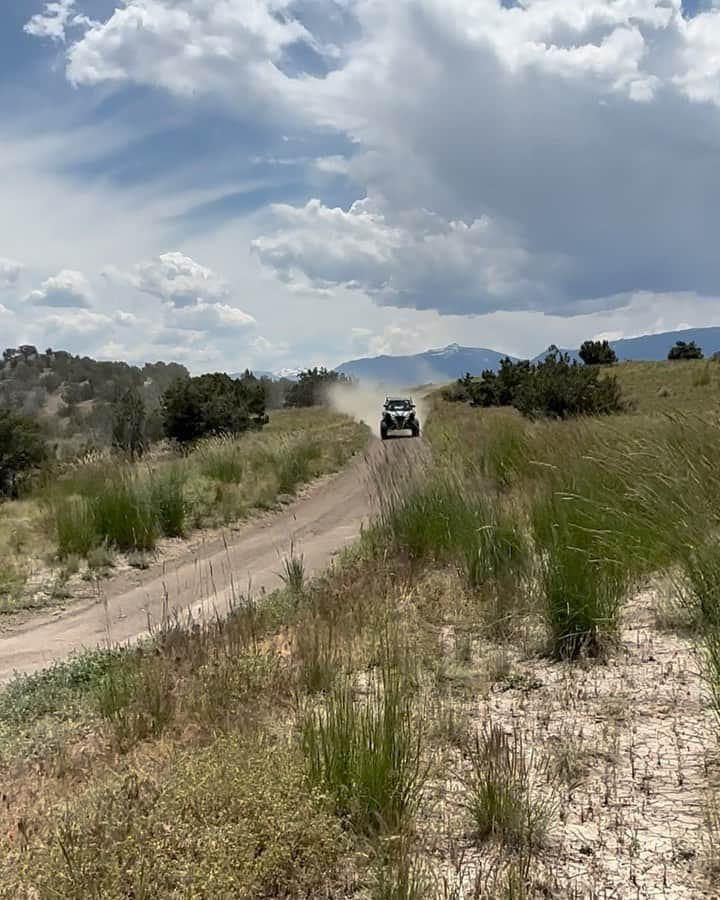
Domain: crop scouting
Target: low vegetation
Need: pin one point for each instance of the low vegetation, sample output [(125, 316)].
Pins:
[(109, 506), (496, 694)]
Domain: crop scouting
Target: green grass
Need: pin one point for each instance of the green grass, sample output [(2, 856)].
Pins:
[(367, 753), (498, 791)]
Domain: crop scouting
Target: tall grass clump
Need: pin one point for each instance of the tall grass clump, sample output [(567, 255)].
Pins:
[(294, 465), (75, 526), (583, 575), (366, 754), (167, 492), (496, 549), (222, 459), (499, 791), (124, 514)]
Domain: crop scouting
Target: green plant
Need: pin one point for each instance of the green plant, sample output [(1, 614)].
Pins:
[(168, 501), (22, 450), (293, 573), (597, 353), (128, 425), (75, 527), (212, 404), (367, 754), (499, 794), (124, 515), (685, 350), (294, 465), (222, 459)]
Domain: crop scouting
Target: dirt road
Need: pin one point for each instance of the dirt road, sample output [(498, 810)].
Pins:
[(319, 524)]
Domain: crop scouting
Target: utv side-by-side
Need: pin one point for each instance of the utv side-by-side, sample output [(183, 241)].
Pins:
[(399, 415)]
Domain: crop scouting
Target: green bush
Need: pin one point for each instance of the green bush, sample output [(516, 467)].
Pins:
[(75, 527), (311, 387), (685, 350), (212, 405), (556, 387), (22, 450), (597, 353)]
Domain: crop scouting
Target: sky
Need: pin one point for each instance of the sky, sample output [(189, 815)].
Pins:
[(283, 183)]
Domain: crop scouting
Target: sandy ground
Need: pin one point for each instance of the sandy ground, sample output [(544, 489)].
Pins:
[(207, 574), (626, 754)]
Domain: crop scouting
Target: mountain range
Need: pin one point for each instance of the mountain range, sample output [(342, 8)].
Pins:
[(454, 361)]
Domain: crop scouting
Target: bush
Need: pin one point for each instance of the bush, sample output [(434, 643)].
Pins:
[(22, 449), (597, 353), (685, 350), (234, 820), (211, 405), (312, 386), (557, 387), (128, 427), (561, 389)]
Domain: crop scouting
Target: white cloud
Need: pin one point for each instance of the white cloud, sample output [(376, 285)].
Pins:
[(230, 48), (211, 317), (66, 289), (52, 22), (174, 278), (413, 259), (9, 272)]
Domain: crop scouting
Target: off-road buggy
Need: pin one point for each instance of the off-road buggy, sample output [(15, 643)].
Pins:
[(399, 415)]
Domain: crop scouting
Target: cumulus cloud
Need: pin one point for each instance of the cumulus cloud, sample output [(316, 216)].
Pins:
[(229, 48), (409, 260), (541, 155), (9, 272), (51, 23), (212, 317), (68, 288), (175, 278)]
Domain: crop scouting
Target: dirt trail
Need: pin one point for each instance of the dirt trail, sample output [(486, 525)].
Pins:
[(320, 525)]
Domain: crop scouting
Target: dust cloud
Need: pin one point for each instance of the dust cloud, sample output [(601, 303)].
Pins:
[(364, 402)]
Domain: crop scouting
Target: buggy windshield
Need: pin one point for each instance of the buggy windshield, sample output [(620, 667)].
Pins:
[(399, 405)]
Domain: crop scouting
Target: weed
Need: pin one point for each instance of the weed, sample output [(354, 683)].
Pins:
[(499, 795), (75, 527), (293, 574), (367, 754), (168, 502)]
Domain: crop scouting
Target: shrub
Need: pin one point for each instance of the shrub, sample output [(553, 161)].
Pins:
[(685, 350), (312, 386), (559, 388), (22, 449), (129, 424), (234, 820), (597, 353), (212, 404), (556, 387)]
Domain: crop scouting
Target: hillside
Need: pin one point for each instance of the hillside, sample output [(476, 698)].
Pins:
[(454, 361), (432, 366), (74, 395)]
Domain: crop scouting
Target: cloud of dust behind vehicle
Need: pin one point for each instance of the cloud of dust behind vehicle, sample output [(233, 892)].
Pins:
[(364, 402)]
